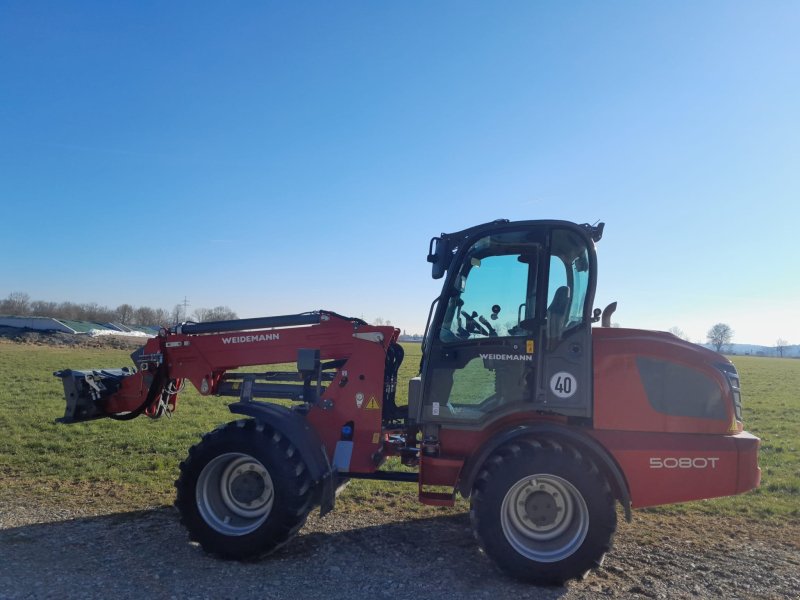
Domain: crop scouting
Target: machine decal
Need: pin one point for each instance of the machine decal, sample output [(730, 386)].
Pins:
[(684, 462), (373, 404), (242, 339), (529, 346), (435, 409), (563, 384), (376, 437), (359, 399), (507, 357)]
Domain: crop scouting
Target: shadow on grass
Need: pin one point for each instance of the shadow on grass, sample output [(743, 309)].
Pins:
[(146, 553)]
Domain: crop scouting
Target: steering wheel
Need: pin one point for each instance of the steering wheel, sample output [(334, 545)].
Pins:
[(472, 325)]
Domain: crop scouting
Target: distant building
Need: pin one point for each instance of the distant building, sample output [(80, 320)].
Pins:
[(76, 327)]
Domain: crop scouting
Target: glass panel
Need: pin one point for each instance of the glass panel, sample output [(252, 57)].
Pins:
[(558, 278), (494, 292), (679, 391), (484, 385), (580, 285), (472, 385), (568, 283)]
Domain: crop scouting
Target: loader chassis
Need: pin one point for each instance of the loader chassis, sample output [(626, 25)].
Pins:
[(543, 421)]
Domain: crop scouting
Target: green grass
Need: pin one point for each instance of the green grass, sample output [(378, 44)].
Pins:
[(133, 464), (772, 412), (126, 464), (140, 456)]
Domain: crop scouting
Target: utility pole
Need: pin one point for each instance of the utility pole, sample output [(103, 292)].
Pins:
[(185, 308)]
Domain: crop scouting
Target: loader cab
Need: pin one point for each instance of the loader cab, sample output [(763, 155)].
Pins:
[(511, 330)]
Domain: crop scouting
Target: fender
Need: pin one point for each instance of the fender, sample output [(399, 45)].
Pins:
[(554, 432), (304, 438)]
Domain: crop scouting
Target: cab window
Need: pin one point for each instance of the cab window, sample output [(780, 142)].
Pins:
[(568, 283), (494, 293)]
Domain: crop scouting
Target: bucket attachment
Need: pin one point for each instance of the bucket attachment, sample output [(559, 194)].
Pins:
[(85, 392)]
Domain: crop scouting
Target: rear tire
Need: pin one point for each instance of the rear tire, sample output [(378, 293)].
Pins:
[(544, 514), (243, 491)]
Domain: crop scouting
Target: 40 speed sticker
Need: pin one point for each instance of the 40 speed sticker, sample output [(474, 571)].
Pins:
[(563, 384)]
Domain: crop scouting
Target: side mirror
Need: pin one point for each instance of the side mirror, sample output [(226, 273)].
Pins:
[(438, 257)]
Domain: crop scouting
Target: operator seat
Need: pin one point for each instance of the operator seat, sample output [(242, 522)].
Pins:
[(557, 315)]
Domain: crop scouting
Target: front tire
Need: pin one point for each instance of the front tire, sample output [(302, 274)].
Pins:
[(243, 491), (543, 513)]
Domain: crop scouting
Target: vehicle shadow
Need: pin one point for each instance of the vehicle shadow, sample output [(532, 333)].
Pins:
[(147, 554)]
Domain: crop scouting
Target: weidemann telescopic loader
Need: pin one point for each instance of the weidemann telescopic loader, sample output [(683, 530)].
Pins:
[(541, 420)]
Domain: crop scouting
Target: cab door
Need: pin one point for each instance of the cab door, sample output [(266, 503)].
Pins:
[(509, 333), (567, 376), (483, 346)]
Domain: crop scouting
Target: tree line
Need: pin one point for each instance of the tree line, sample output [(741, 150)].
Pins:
[(19, 304)]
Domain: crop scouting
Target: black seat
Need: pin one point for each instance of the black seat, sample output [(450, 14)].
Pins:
[(557, 315)]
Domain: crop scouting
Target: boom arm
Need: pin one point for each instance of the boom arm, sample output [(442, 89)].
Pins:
[(341, 377)]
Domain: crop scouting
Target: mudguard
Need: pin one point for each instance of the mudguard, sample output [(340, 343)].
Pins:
[(557, 433), (294, 426)]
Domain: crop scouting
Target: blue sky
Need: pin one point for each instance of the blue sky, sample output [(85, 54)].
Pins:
[(282, 157)]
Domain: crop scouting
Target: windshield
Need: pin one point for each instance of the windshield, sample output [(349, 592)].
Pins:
[(494, 293)]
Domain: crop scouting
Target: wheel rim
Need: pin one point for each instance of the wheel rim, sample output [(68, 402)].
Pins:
[(544, 518), (234, 493)]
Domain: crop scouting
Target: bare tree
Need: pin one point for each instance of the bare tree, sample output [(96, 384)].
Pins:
[(145, 315), (678, 332), (68, 310), (20, 304), (218, 313), (780, 346), (124, 314), (720, 335), (177, 316), (16, 304), (40, 308), (94, 312), (161, 316)]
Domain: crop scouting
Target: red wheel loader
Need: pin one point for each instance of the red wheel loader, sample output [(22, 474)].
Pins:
[(543, 421)]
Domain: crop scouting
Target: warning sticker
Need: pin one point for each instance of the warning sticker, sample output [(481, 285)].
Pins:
[(376, 437), (359, 399), (373, 404), (529, 346)]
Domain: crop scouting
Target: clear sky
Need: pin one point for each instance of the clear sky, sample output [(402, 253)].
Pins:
[(278, 157)]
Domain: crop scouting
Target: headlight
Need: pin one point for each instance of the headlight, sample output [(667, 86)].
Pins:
[(733, 380)]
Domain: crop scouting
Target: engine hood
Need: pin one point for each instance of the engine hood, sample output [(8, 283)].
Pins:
[(655, 381), (659, 341)]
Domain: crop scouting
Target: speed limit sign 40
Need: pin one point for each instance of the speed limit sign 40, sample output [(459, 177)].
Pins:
[(563, 384)]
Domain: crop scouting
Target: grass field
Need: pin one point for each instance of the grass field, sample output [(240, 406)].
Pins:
[(129, 465)]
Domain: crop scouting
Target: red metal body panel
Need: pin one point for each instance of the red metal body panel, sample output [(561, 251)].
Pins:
[(620, 401), (662, 468), (131, 394), (457, 445)]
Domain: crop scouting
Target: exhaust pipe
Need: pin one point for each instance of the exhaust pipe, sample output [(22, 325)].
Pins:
[(607, 312)]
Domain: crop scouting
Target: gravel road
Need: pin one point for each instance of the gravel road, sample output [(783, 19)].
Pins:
[(62, 553)]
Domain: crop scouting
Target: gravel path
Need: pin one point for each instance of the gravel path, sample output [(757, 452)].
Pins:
[(63, 554)]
